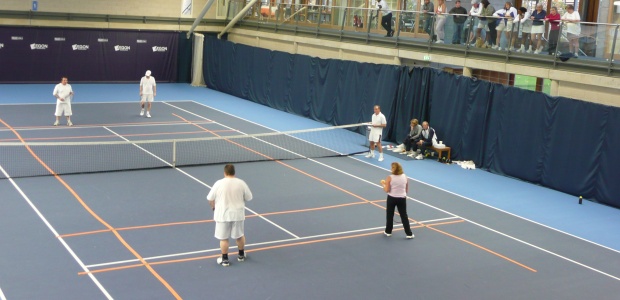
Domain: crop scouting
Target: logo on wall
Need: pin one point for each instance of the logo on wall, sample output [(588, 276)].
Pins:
[(102, 40), (159, 49), (80, 47), (38, 46), (121, 48), (17, 38), (141, 41), (59, 39)]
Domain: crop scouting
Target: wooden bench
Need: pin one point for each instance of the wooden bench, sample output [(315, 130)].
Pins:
[(440, 151)]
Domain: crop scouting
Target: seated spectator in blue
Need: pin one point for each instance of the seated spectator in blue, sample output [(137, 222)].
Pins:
[(428, 138), (459, 21)]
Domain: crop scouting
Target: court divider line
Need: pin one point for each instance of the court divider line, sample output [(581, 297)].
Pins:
[(53, 230), (472, 200), (198, 180), (127, 124), (330, 184), (296, 243), (211, 220), (104, 136), (95, 215)]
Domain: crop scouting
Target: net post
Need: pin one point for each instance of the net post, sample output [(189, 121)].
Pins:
[(174, 153)]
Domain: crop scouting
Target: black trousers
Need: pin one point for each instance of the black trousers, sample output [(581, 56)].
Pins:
[(386, 22), (492, 31), (410, 144), (425, 144), (401, 204), (554, 35)]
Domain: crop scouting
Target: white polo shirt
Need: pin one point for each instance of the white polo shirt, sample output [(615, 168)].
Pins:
[(147, 85), (230, 195), (385, 8), (378, 120), (62, 91)]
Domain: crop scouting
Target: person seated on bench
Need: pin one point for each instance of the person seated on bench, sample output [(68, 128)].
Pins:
[(410, 142), (428, 138)]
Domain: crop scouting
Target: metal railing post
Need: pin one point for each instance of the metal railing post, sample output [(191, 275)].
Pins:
[(613, 51)]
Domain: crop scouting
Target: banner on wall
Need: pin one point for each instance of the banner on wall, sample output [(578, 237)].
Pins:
[(85, 55), (186, 8)]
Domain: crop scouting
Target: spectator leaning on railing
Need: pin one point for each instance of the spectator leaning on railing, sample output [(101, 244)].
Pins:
[(538, 27), (525, 25), (478, 25), (487, 14), (428, 8), (573, 29), (440, 20), (554, 31), (459, 21), (505, 16)]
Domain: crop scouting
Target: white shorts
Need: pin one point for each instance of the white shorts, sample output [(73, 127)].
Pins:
[(226, 230), (538, 29), (147, 98), (374, 136), (508, 26), (65, 108)]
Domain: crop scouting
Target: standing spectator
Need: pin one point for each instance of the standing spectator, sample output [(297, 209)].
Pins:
[(478, 25), (524, 25), (538, 27), (554, 31), (487, 12), (63, 93), (459, 21), (386, 18), (427, 139), (440, 15), (573, 29), (148, 91), (376, 132), (227, 199), (428, 8), (505, 17), (396, 185)]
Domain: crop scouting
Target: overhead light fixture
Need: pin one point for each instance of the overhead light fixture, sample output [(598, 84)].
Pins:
[(616, 3)]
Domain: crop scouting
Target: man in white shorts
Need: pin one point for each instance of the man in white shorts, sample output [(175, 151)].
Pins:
[(376, 132), (63, 94), (227, 199), (148, 91)]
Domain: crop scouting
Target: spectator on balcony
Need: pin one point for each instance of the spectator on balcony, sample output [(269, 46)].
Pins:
[(554, 31), (440, 22), (538, 27), (573, 29), (460, 16), (478, 24), (505, 17), (386, 18), (522, 23), (487, 12), (428, 8)]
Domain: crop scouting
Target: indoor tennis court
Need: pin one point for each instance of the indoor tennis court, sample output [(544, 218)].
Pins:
[(129, 219)]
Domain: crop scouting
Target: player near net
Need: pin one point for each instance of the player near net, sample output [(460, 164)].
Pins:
[(148, 91), (376, 132), (227, 198)]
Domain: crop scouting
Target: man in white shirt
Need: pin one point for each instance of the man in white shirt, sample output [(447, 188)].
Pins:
[(227, 198), (148, 91), (376, 132), (386, 19), (63, 94)]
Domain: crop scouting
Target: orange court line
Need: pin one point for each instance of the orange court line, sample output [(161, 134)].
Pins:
[(109, 136), (97, 217), (208, 221), (253, 250)]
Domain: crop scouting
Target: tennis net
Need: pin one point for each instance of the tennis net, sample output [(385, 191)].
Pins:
[(29, 159)]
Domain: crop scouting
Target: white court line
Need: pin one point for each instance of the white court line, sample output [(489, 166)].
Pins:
[(201, 182), (255, 244), (466, 198), (51, 228), (120, 125), (2, 297), (96, 102)]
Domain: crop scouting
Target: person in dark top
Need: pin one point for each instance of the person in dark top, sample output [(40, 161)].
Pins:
[(459, 21)]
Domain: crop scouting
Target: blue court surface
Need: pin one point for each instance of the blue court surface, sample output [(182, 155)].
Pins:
[(125, 215)]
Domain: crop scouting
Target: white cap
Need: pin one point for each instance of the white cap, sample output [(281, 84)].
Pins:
[(148, 73)]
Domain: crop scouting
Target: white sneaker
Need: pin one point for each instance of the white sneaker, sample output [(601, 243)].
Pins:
[(537, 51), (387, 234), (511, 49), (412, 155), (223, 262), (522, 49), (439, 42), (494, 47), (409, 237), (56, 123), (529, 50), (69, 123), (381, 157), (420, 157), (148, 115), (403, 152), (141, 112), (370, 155)]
